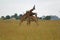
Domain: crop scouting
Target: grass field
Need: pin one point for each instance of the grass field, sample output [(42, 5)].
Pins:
[(46, 30)]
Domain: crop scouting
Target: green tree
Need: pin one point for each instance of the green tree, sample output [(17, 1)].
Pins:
[(7, 17), (2, 17), (47, 18), (20, 16), (15, 16), (40, 18)]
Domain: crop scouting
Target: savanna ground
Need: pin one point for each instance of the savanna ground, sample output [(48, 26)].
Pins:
[(46, 30)]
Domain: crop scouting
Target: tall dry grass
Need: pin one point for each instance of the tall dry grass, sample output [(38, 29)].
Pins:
[(46, 30)]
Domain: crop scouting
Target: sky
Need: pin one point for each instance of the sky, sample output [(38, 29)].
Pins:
[(43, 7)]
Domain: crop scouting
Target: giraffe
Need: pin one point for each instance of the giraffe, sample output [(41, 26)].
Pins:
[(29, 15)]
